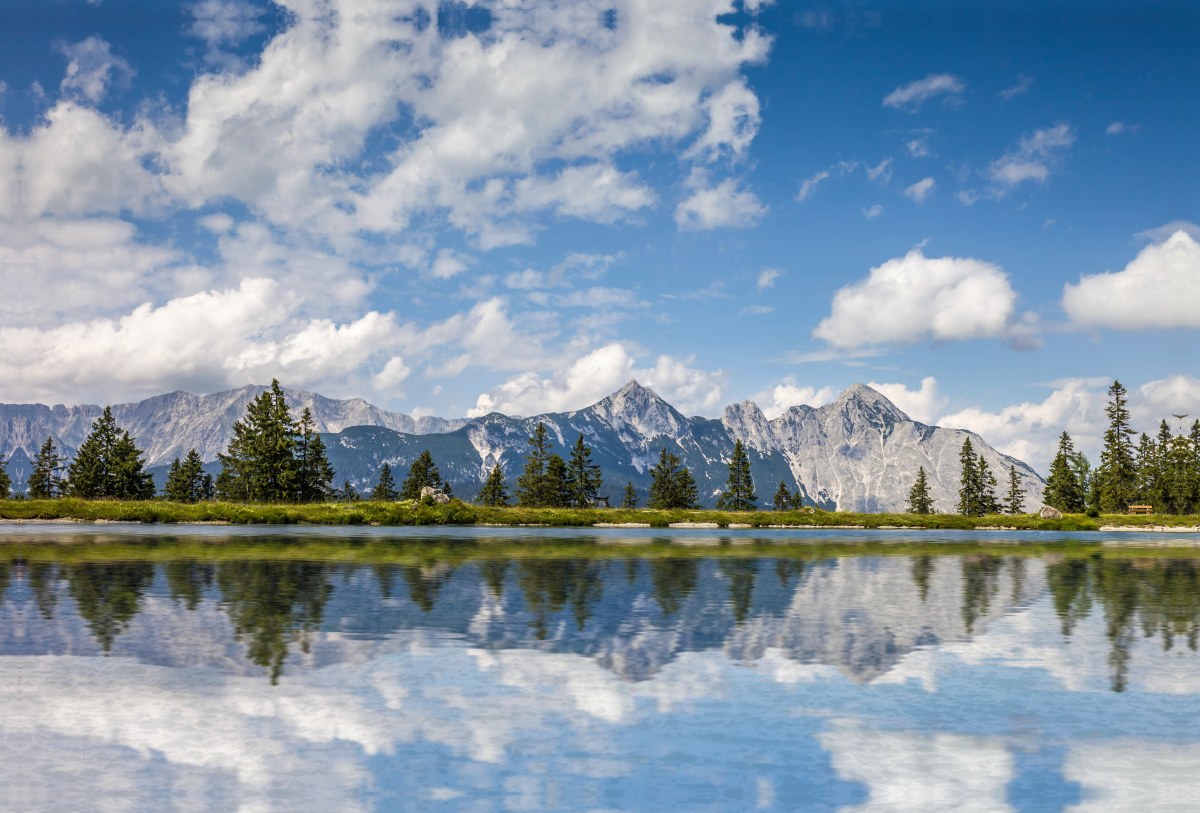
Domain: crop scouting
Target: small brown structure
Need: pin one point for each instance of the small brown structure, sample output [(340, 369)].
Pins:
[(1141, 509)]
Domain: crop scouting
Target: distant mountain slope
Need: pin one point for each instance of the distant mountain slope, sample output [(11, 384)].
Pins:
[(169, 425)]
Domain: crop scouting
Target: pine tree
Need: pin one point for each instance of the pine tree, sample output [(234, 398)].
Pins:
[(783, 498), (385, 489), (631, 496), (5, 480), (423, 472), (494, 491), (1160, 493), (739, 489), (970, 489), (175, 489), (1179, 486), (314, 474), (532, 489), (187, 482), (988, 504), (1116, 473), (1063, 489), (670, 485), (45, 481), (1146, 466), (558, 488), (1089, 482), (919, 501), (260, 463), (1014, 501), (797, 499), (583, 476), (347, 493), (109, 464)]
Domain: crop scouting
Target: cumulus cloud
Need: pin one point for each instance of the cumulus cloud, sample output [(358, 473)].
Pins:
[(720, 206), (1160, 288), (788, 393), (92, 68), (920, 190), (873, 212), (921, 405), (766, 279), (597, 374), (914, 94), (1032, 158), (226, 22), (915, 298), (448, 263)]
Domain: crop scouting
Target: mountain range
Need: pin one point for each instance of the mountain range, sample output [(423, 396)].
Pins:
[(858, 453)]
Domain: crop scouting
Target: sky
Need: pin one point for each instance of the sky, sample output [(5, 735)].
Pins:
[(986, 211)]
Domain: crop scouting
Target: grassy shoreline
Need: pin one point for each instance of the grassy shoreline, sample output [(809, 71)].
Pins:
[(464, 514)]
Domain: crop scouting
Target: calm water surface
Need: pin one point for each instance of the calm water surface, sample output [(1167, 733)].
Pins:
[(492, 670)]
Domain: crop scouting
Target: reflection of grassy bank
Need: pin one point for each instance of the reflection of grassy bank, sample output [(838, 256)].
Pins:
[(459, 513)]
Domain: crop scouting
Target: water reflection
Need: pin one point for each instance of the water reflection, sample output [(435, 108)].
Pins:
[(664, 679)]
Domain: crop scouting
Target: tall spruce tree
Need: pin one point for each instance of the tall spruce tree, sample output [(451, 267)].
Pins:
[(558, 487), (385, 489), (739, 488), (1089, 482), (919, 499), (1146, 466), (421, 474), (1014, 500), (1063, 489), (5, 480), (631, 496), (671, 486), (989, 505), (970, 491), (45, 481), (583, 476), (347, 493), (314, 474), (260, 463), (782, 500), (108, 464), (532, 488), (1179, 486), (1160, 496), (494, 492), (1116, 474), (187, 482)]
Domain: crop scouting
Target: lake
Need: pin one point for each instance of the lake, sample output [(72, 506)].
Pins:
[(320, 669)]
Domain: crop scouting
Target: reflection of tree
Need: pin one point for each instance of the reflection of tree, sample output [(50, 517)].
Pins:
[(494, 572), (5, 575), (741, 573), (1117, 589), (633, 567), (673, 580), (42, 576), (424, 583), (274, 604), (922, 572), (549, 585), (1068, 583), (385, 575), (788, 570), (107, 596), (980, 583), (187, 580)]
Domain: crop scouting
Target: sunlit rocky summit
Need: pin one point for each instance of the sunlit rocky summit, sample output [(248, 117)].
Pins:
[(859, 453)]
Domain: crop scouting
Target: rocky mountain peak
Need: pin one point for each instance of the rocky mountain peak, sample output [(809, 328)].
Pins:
[(859, 403), (641, 409), (745, 421)]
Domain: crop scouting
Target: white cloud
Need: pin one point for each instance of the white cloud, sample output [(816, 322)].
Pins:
[(756, 310), (920, 190), (914, 298), (226, 22), (966, 196), (917, 148), (1024, 83), (766, 279), (1160, 288), (882, 170), (872, 213), (913, 94), (92, 68), (809, 185), (448, 263), (921, 405), (775, 401), (392, 374), (720, 206), (1032, 159), (1162, 233)]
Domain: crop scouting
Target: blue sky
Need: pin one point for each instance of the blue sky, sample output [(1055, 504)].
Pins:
[(452, 208)]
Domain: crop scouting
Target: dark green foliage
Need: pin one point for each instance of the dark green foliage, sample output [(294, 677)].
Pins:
[(45, 481), (109, 464), (314, 475), (922, 571), (988, 504), (187, 481), (970, 491), (919, 501), (583, 476), (670, 485), (423, 472), (385, 489), (347, 493), (558, 487), (673, 581), (1014, 500), (5, 480), (783, 498), (1063, 489), (108, 596), (631, 497), (1178, 477), (797, 500), (494, 491), (533, 489), (260, 464), (1116, 475), (738, 494), (741, 574)]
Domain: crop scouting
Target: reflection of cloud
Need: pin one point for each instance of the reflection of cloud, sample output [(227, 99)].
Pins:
[(1129, 776)]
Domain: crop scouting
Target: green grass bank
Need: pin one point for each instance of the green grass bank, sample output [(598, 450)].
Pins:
[(460, 513)]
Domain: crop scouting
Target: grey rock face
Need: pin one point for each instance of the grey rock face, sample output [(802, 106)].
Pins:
[(436, 493), (1048, 512)]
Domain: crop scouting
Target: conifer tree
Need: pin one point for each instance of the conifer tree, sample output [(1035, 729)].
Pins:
[(532, 490), (45, 481), (1116, 475), (797, 499), (187, 482), (783, 498), (558, 487), (988, 504), (1014, 501), (583, 476), (494, 491), (5, 480), (919, 501), (347, 493), (314, 474), (1089, 482), (1179, 477), (260, 463), (385, 489), (1146, 466), (1063, 489), (970, 489), (631, 497), (1160, 496), (423, 472), (739, 489), (109, 464), (670, 485)]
